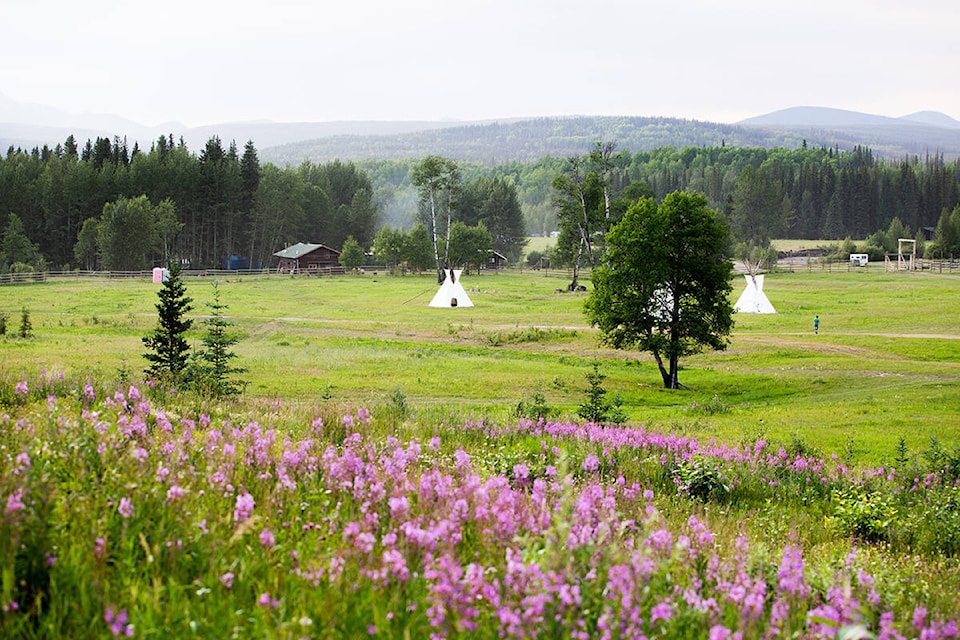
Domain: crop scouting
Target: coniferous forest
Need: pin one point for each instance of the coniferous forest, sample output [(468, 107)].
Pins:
[(105, 205)]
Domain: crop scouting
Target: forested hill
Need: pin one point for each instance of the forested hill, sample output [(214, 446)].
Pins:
[(529, 140)]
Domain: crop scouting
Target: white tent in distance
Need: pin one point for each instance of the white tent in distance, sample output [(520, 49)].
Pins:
[(753, 299), (451, 292)]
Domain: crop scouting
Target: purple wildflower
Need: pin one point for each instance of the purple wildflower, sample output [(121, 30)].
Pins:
[(243, 508), (266, 538), (15, 501)]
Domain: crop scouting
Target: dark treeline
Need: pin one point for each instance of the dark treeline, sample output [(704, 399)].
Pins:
[(828, 194), (224, 201), (832, 194)]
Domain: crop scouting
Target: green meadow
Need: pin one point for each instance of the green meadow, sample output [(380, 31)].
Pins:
[(885, 365)]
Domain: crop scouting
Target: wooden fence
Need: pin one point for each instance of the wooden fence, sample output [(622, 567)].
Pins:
[(186, 274)]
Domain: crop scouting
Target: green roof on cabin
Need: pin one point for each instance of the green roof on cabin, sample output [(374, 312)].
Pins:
[(301, 249)]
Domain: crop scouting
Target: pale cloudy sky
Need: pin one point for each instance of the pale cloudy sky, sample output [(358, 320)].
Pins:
[(208, 61)]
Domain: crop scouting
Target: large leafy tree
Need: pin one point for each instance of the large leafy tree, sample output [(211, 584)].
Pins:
[(664, 283), (417, 249), (469, 246), (579, 214), (127, 234), (351, 256), (587, 203), (85, 250), (494, 202), (388, 246), (438, 180), (167, 348), (15, 246), (761, 210)]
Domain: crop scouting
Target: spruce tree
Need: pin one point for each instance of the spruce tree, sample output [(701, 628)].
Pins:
[(214, 368), (595, 407), (26, 327), (167, 347)]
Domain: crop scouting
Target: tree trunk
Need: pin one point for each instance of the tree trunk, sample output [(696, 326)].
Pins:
[(674, 368), (433, 224), (576, 267), (664, 374)]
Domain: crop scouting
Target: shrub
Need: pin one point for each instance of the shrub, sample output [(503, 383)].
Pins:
[(865, 515), (699, 478), (535, 408)]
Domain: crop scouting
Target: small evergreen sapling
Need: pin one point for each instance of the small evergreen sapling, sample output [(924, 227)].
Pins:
[(596, 407), (213, 367), (26, 327), (167, 347)]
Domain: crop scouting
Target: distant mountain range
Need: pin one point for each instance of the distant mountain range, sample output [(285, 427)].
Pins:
[(502, 141)]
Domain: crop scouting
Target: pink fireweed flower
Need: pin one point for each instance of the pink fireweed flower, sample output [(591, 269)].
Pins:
[(719, 632), (99, 548), (23, 463), (919, 618), (461, 460), (243, 508), (118, 621), (661, 539), (88, 392), (662, 611), (521, 472), (227, 580), (398, 505), (126, 508), (133, 393), (266, 601), (15, 501), (591, 463), (267, 539), (21, 388), (791, 572)]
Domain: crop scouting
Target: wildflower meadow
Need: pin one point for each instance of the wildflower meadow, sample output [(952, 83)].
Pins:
[(130, 511)]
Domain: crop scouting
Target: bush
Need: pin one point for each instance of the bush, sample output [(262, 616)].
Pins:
[(936, 528), (535, 408), (700, 479), (867, 516)]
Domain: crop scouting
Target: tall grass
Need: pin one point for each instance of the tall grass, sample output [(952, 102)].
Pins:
[(133, 511)]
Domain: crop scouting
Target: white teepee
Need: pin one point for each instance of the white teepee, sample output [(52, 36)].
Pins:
[(451, 293), (753, 299)]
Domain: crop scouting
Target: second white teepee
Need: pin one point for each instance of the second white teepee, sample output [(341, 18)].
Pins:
[(753, 299), (451, 292)]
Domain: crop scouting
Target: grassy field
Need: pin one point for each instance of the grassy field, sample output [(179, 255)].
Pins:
[(885, 365), (375, 481)]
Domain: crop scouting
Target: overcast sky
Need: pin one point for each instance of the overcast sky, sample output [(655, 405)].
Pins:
[(208, 61)]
